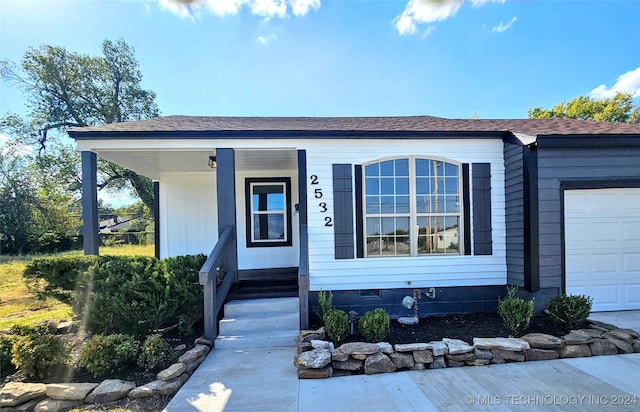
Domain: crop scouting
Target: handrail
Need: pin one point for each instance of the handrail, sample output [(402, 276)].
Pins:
[(207, 272)]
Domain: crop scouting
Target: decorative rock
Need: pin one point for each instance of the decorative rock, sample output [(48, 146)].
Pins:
[(577, 337), (408, 320), (15, 393), (322, 344), (457, 346), (410, 347), (402, 360), (304, 346), (634, 333), (54, 405), (70, 391), (507, 355), (484, 354), (202, 341), (461, 357), (180, 347), (438, 363), (359, 356), (574, 351), (636, 346), (385, 347), (308, 335), (418, 366), (193, 365), (619, 334), (313, 359), (378, 363), (542, 341), (348, 365), (603, 347), (454, 364), (438, 348), (28, 406), (193, 354), (596, 324), (423, 356), (512, 344), (323, 373), (155, 388), (623, 347), (540, 354), (172, 372), (594, 333), (354, 348), (64, 327), (479, 362), (110, 390)]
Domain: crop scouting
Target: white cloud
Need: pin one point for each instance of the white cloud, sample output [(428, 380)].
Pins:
[(628, 82), (10, 147), (263, 8), (504, 26), (266, 39), (478, 3)]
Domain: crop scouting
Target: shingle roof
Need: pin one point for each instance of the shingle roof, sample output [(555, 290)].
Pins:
[(410, 124)]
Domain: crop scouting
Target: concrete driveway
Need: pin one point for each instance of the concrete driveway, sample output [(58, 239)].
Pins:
[(266, 380)]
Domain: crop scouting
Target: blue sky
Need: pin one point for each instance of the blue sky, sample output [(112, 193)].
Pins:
[(346, 58)]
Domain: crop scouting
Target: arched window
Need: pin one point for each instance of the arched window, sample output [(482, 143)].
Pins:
[(412, 207)]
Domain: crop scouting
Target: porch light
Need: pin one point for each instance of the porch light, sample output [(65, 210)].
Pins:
[(212, 162)]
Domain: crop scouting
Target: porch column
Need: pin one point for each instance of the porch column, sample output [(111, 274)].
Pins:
[(226, 198), (90, 217), (156, 218), (303, 264)]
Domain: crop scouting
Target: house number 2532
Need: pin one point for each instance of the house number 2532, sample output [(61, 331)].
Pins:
[(317, 193)]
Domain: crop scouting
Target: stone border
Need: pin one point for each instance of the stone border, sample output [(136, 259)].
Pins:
[(53, 397), (318, 358)]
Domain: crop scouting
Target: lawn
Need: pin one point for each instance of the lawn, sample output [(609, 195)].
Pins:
[(18, 306)]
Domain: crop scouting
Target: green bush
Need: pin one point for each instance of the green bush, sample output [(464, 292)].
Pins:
[(374, 325), (36, 350), (6, 343), (186, 292), (516, 313), (336, 324), (102, 355), (156, 353), (326, 303), (570, 311)]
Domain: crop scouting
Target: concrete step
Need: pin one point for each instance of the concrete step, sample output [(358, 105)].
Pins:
[(269, 339), (237, 308), (259, 322)]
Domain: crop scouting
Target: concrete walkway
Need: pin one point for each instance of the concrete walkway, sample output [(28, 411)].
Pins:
[(265, 380)]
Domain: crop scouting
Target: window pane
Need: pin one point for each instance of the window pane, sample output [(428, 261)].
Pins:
[(388, 225), (402, 226), (373, 246), (373, 226), (373, 204), (372, 170), (268, 227), (402, 186), (422, 167), (402, 167), (268, 197), (451, 169), (386, 204), (402, 245), (373, 186), (421, 204), (386, 168), (386, 186), (402, 204), (452, 204), (422, 186), (451, 185)]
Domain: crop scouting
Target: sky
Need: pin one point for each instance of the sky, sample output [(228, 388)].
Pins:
[(493, 59)]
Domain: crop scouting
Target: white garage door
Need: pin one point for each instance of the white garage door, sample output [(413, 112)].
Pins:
[(602, 246)]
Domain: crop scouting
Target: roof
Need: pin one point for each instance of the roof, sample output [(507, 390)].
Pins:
[(209, 125)]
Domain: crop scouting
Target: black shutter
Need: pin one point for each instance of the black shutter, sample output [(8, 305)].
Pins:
[(343, 211), (466, 209), (481, 186), (359, 212)]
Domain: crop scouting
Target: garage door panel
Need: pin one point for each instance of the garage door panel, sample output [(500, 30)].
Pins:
[(602, 246)]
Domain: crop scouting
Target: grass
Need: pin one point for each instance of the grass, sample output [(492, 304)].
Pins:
[(18, 306)]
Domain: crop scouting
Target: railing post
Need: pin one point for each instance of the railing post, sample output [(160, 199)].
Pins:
[(210, 315)]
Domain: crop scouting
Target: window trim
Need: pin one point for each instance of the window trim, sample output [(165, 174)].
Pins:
[(249, 183), (413, 214)]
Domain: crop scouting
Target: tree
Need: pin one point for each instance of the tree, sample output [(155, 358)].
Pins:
[(619, 108), (66, 89)]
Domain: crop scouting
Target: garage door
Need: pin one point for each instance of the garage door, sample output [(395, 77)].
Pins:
[(602, 246)]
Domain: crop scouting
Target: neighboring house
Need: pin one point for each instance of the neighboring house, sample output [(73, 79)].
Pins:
[(115, 224), (375, 207)]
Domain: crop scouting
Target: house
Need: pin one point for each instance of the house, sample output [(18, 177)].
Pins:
[(372, 208)]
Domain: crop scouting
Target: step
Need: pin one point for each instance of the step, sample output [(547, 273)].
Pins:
[(259, 322), (237, 308), (271, 339)]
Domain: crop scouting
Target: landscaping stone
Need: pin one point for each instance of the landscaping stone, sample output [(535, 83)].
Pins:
[(308, 335), (64, 327), (378, 363), (457, 346), (385, 347), (454, 364), (323, 373), (313, 359), (418, 366), (484, 354), (423, 356), (596, 324), (410, 347), (574, 351), (603, 347), (594, 333), (461, 357), (322, 344), (202, 341), (110, 390), (191, 366), (636, 346), (354, 348), (15, 393), (508, 355), (577, 337), (438, 363), (634, 333), (349, 365), (359, 356), (619, 334), (172, 372), (479, 362), (304, 346), (512, 344), (55, 405), (69, 391), (623, 347), (542, 341), (28, 406), (180, 347), (158, 387), (438, 348), (402, 360), (193, 354), (536, 354)]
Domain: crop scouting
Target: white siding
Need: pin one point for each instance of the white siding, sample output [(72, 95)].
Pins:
[(328, 273), (188, 213)]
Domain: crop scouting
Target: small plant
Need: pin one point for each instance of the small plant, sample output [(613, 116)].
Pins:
[(326, 303), (6, 343), (516, 313), (336, 324), (374, 325), (36, 350), (101, 355), (155, 354), (570, 311)]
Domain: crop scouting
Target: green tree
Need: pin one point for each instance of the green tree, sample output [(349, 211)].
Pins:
[(619, 108), (67, 89)]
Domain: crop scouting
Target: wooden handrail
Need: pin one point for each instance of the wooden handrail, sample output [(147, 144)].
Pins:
[(217, 255)]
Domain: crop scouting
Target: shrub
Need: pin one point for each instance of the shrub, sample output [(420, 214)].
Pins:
[(516, 313), (186, 292), (570, 311), (36, 350), (326, 303), (156, 353), (102, 355), (6, 343), (336, 324), (374, 325)]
